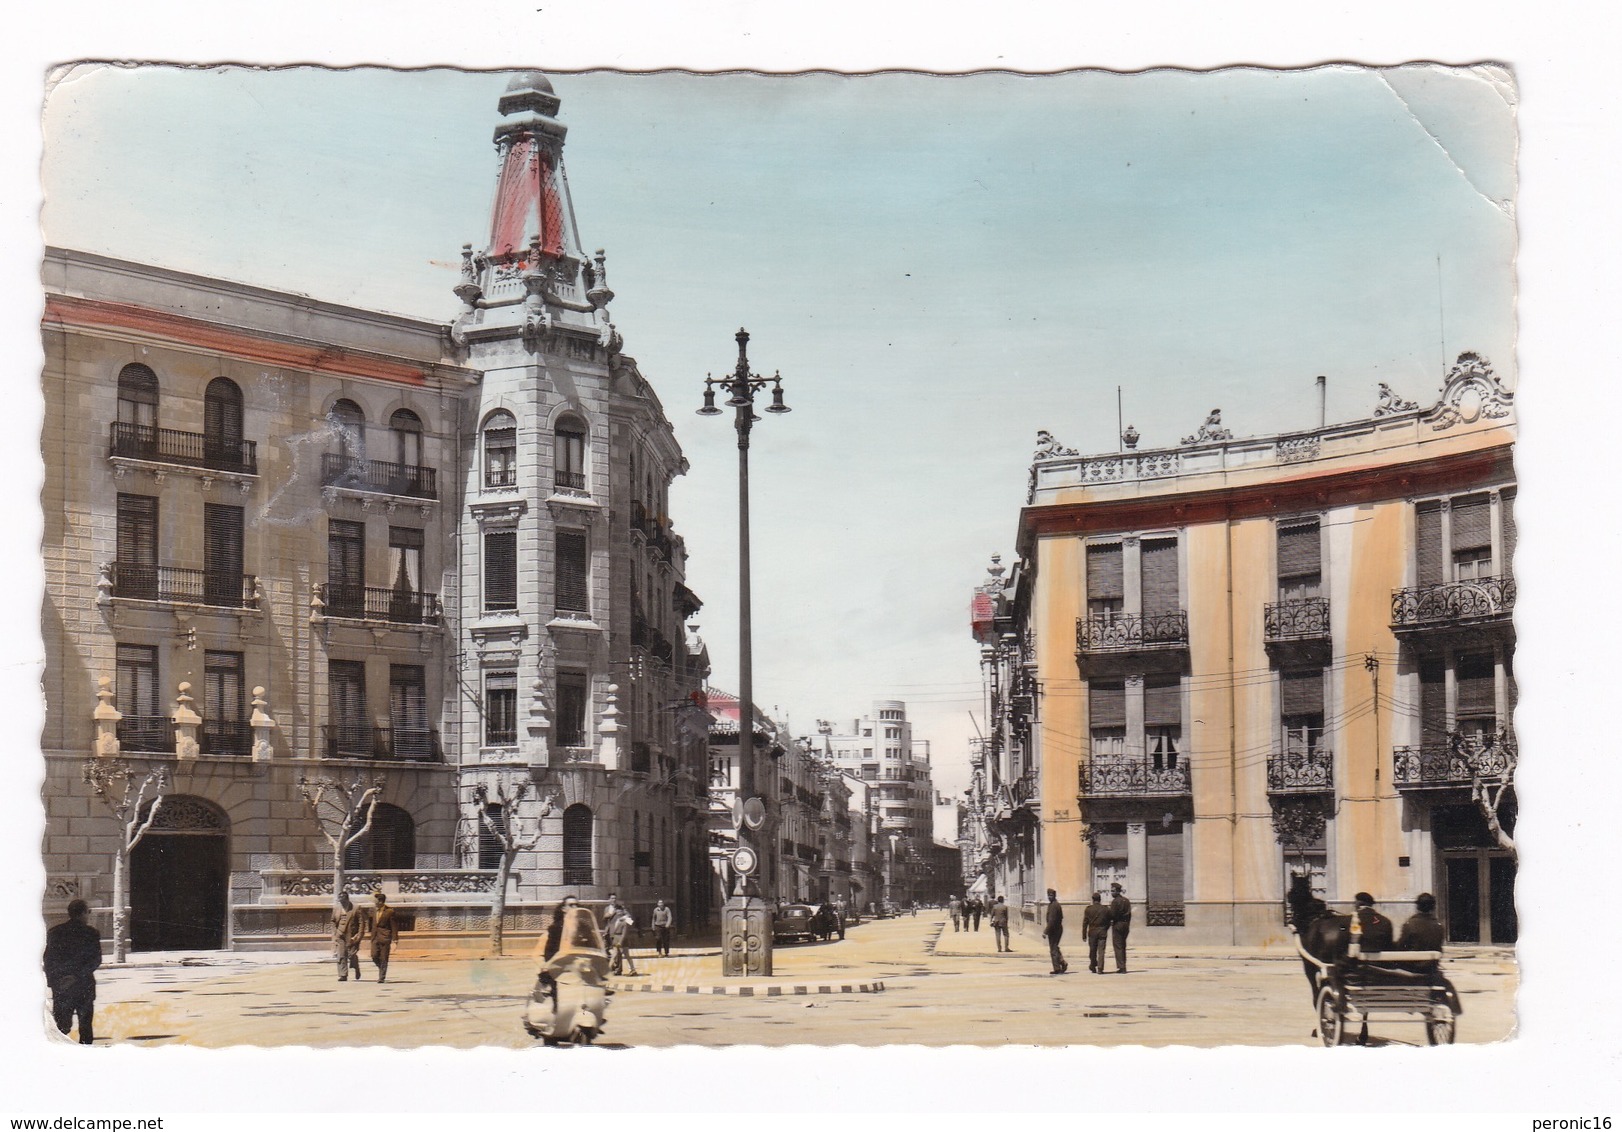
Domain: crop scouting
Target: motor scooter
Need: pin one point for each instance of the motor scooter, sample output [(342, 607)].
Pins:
[(570, 999)]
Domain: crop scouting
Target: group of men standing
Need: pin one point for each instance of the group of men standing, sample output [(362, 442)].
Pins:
[(351, 925), (1099, 924)]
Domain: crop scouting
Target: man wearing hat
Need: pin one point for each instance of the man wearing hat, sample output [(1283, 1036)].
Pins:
[(1378, 932), (1095, 930), (1120, 924), (1422, 931), (1054, 932)]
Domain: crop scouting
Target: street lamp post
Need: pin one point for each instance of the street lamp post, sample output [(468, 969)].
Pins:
[(746, 927)]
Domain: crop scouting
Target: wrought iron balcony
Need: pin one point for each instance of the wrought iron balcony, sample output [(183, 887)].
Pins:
[(1298, 619), (1301, 770), (225, 737), (380, 603), (1132, 632), (186, 449), (389, 744), (1440, 766), (184, 587), (1133, 776), (569, 481), (146, 733), (381, 476), (1452, 604)]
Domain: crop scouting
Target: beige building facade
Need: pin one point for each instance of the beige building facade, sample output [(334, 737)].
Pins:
[(1221, 663)]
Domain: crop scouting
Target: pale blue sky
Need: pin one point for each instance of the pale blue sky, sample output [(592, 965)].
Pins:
[(940, 266)]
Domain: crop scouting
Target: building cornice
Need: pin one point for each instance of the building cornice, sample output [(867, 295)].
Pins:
[(1294, 493)]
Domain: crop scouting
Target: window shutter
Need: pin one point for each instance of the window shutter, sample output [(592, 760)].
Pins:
[(137, 530), (1432, 702), (1474, 684), (346, 553), (393, 840), (222, 687), (346, 684), (1104, 579), (222, 554), (1428, 542), (572, 572), (577, 823), (1472, 523), (501, 569), (1160, 590), (1163, 864), (1162, 702), (1507, 517), (1301, 693), (1298, 551), (137, 689), (1106, 704)]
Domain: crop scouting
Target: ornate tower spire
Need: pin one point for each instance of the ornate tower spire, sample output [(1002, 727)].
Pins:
[(531, 208)]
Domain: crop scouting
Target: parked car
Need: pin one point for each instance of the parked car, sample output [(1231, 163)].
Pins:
[(793, 923)]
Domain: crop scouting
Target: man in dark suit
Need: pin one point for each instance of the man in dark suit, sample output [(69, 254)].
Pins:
[(72, 954), (1054, 932), (384, 930), (1422, 931), (1377, 931), (1120, 924), (1095, 930), (348, 926)]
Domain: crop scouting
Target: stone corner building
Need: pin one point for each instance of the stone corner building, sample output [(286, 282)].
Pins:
[(288, 539), (1220, 663)]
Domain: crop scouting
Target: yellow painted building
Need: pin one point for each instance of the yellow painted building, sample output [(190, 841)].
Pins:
[(1219, 664)]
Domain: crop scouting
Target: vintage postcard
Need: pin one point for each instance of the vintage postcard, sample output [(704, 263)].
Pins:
[(1092, 495)]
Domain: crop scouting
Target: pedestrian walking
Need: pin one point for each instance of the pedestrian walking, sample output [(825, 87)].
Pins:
[(1095, 930), (384, 930), (72, 954), (348, 929), (1120, 925), (663, 920), (978, 910), (611, 910), (955, 907), (619, 943), (999, 924), (1054, 932)]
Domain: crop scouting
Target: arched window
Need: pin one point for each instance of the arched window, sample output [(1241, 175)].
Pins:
[(137, 395), (390, 844), (348, 426), (222, 424), (577, 836), (569, 455), (501, 450), (407, 429)]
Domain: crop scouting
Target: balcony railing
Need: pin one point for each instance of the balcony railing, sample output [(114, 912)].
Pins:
[(1448, 765), (393, 744), (146, 733), (1131, 777), (569, 481), (225, 737), (1298, 619), (380, 603), (184, 587), (1125, 632), (188, 449), (1300, 770), (1452, 603), (339, 470)]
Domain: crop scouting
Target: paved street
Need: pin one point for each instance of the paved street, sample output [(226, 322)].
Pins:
[(940, 988)]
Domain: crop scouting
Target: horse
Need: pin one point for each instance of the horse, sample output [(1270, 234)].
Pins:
[(1325, 934)]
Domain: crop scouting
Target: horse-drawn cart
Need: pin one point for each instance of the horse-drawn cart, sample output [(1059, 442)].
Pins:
[(1358, 987)]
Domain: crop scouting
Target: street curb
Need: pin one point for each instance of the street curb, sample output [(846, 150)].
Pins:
[(782, 990)]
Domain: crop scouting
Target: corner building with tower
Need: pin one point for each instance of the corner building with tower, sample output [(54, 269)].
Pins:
[(289, 540), (1217, 664)]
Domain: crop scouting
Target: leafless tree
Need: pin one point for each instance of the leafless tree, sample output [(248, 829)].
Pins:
[(115, 783), (1492, 786), (499, 814), (337, 809)]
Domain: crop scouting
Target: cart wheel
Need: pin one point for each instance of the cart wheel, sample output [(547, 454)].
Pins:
[(1331, 1017), (1439, 1028), (585, 1035)]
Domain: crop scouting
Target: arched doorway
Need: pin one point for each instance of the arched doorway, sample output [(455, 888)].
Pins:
[(180, 878)]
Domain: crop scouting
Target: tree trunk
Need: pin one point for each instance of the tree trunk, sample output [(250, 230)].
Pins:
[(498, 899), (121, 942), (338, 879)]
